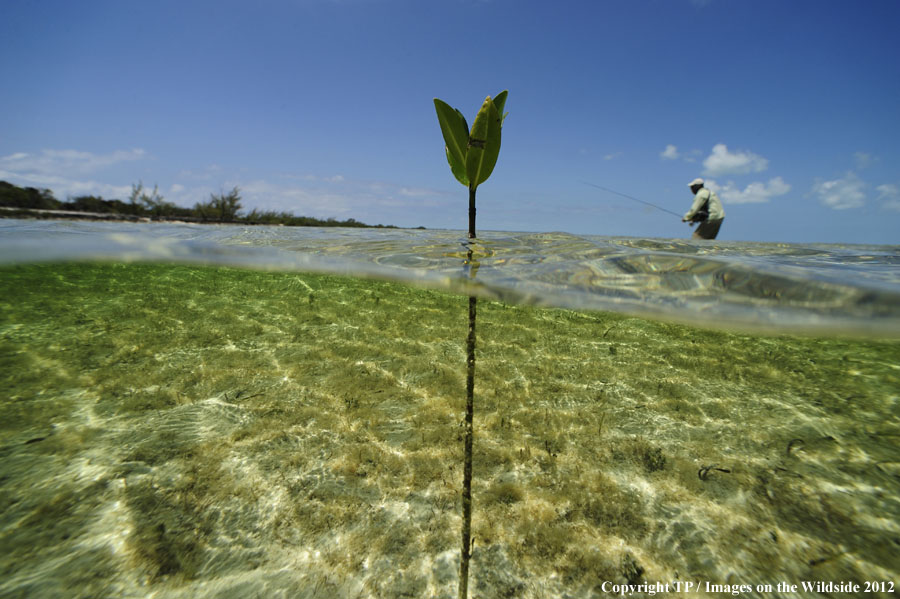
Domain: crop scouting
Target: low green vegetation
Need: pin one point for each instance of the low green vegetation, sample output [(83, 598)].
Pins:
[(224, 207), (206, 432)]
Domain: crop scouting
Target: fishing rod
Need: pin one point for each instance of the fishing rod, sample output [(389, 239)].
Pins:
[(631, 198)]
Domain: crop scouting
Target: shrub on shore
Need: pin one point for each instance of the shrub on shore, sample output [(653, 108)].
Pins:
[(220, 208)]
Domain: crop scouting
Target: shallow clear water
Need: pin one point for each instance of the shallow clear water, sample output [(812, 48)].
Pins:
[(179, 430), (762, 287)]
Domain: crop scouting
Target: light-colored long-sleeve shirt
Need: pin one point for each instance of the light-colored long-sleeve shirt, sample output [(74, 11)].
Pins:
[(700, 198)]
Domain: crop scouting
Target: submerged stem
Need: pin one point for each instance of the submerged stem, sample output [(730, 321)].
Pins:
[(465, 554)]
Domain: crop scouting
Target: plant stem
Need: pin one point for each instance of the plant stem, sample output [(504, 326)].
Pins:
[(467, 468), (465, 554), (471, 212)]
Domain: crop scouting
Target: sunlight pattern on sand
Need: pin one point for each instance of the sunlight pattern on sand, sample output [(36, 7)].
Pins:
[(189, 431)]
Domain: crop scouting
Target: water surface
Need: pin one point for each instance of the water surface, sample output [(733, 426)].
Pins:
[(766, 287)]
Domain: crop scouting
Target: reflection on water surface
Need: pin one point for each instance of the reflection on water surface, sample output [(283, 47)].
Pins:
[(824, 289)]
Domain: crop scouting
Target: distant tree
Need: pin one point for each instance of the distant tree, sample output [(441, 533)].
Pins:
[(125, 207), (28, 197), (89, 204), (268, 217), (223, 207), (202, 210), (153, 202)]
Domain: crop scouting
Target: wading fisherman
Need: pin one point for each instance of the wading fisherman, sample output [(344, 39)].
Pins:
[(706, 210)]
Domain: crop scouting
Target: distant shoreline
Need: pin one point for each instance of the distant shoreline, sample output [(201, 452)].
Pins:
[(44, 214), (145, 207)]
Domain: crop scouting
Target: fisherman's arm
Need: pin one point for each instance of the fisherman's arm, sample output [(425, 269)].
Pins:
[(699, 199)]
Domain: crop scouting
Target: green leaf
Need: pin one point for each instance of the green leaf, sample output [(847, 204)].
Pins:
[(465, 124), (457, 167), (484, 144), (456, 138), (500, 102)]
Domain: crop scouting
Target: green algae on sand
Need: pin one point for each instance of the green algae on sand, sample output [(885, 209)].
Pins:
[(208, 432)]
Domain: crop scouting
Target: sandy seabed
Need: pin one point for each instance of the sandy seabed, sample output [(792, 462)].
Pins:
[(174, 431)]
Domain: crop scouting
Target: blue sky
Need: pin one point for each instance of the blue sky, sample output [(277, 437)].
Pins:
[(790, 108)]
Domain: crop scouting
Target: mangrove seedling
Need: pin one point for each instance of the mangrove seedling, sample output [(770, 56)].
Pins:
[(472, 154)]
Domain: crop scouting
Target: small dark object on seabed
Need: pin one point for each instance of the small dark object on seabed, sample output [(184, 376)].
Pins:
[(10, 448), (822, 560), (703, 473), (240, 396), (798, 443)]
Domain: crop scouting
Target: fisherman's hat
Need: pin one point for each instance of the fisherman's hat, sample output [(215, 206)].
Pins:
[(697, 181)]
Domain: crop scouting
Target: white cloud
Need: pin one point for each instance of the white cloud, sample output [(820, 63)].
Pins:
[(670, 153), (64, 188), (693, 156), (841, 194), (863, 160), (416, 192), (612, 156), (723, 162), (315, 178), (73, 189), (336, 196), (889, 195), (67, 172), (755, 193), (887, 191), (65, 163), (272, 196)]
